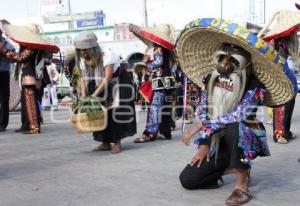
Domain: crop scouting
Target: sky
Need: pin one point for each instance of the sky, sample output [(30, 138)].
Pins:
[(176, 12)]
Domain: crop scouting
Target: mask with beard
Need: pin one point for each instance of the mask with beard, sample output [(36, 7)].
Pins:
[(228, 81)]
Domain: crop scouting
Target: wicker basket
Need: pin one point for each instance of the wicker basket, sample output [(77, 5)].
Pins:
[(84, 124)]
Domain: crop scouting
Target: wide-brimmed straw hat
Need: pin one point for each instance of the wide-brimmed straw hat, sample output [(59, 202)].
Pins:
[(198, 42), (287, 22), (29, 36), (162, 35)]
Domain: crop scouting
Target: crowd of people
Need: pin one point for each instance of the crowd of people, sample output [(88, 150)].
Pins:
[(217, 73)]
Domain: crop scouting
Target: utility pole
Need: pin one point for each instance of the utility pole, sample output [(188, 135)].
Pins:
[(251, 11), (70, 23), (221, 9), (145, 13), (264, 11)]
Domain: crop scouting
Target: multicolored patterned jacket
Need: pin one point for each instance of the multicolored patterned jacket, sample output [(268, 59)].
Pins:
[(252, 134)]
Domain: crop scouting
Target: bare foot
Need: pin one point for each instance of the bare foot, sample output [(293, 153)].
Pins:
[(116, 148), (242, 179), (102, 147)]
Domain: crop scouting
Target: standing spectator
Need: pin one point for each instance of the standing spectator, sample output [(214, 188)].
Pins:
[(5, 66), (50, 92)]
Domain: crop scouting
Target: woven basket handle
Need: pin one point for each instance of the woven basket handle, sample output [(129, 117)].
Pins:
[(75, 109)]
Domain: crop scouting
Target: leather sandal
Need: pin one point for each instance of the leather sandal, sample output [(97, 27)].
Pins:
[(238, 197), (145, 138), (282, 140)]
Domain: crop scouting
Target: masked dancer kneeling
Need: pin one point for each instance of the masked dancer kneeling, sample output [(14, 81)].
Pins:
[(241, 73)]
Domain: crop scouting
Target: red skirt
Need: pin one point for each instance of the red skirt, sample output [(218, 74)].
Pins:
[(146, 91)]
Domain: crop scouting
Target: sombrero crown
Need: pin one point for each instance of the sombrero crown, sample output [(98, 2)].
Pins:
[(287, 22), (162, 35), (200, 39)]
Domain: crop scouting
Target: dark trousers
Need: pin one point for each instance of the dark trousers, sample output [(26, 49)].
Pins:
[(4, 98), (166, 116), (288, 113), (208, 174), (24, 118)]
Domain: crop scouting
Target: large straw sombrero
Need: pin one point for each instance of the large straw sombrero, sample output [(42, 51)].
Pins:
[(198, 42), (28, 36), (287, 22), (162, 34)]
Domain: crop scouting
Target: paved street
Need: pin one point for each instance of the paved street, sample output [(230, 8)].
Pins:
[(57, 168)]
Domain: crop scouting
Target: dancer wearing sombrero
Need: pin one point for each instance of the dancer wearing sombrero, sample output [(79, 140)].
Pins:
[(160, 40), (241, 72), (34, 49), (283, 35)]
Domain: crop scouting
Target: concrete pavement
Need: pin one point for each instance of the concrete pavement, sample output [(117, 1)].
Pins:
[(57, 168)]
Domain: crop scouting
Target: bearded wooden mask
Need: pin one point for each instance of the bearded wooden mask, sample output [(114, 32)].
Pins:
[(228, 80)]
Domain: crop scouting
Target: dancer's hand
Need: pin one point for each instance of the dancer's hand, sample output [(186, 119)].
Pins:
[(201, 155), (190, 132), (2, 47), (146, 58)]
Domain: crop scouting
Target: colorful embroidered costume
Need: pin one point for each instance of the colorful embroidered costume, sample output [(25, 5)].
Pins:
[(161, 97), (159, 118), (252, 134), (30, 112)]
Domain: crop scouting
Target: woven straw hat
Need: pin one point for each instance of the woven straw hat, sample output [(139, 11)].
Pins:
[(198, 42), (287, 22), (162, 35), (28, 36)]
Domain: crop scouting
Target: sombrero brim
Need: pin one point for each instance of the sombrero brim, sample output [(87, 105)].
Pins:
[(149, 36), (25, 37), (287, 24), (198, 42)]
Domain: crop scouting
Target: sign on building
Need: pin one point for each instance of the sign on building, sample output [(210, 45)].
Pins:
[(90, 22), (55, 7)]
